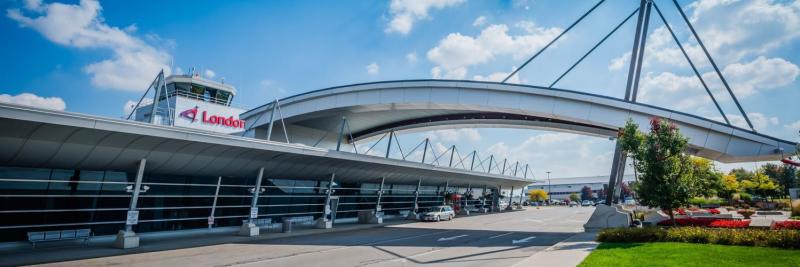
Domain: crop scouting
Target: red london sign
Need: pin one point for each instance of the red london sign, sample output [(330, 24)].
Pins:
[(228, 121)]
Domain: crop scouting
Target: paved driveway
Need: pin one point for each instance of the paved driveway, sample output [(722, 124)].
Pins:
[(487, 240)]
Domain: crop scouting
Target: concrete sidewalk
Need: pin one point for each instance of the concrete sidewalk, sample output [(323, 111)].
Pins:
[(156, 241), (567, 253)]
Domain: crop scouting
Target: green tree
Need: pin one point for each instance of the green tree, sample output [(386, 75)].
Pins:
[(760, 184), (730, 186), (586, 193), (784, 175), (708, 181), (574, 197), (742, 174), (537, 195), (665, 171)]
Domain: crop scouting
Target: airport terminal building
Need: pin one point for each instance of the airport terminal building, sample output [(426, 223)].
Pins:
[(180, 162)]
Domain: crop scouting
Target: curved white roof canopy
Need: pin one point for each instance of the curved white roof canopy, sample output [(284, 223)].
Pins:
[(34, 137), (375, 108)]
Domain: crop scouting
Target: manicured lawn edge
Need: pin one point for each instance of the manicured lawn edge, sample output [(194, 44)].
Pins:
[(684, 254)]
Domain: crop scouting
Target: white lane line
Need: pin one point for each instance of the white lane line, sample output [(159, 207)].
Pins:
[(501, 235), (534, 220), (451, 238), (524, 240)]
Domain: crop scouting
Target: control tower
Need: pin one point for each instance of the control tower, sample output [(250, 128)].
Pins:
[(190, 101)]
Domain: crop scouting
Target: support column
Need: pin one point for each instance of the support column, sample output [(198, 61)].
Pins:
[(444, 197), (324, 222), (612, 180), (464, 210), (377, 216), (521, 195), (127, 238), (496, 199), (412, 215), (483, 200), (249, 228), (510, 198), (214, 204)]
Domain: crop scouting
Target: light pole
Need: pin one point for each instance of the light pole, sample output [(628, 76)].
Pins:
[(549, 189)]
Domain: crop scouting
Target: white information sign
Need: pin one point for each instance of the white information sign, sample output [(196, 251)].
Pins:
[(210, 220), (253, 213), (133, 217)]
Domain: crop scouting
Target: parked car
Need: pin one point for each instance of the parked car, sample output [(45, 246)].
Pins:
[(599, 202), (573, 204), (629, 202), (587, 203), (437, 213)]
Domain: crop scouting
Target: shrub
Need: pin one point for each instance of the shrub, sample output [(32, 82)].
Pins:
[(738, 236), (632, 235), (789, 224), (745, 196)]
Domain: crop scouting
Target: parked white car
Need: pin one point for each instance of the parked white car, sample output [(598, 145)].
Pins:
[(437, 213)]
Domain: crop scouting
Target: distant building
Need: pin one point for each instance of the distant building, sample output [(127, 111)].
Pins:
[(561, 188)]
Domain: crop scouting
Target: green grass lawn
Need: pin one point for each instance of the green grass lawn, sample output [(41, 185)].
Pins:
[(683, 254)]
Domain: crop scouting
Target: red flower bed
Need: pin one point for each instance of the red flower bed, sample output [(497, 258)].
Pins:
[(708, 222), (791, 224), (681, 211), (729, 224), (713, 211)]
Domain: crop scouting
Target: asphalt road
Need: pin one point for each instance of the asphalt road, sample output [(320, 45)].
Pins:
[(487, 240)]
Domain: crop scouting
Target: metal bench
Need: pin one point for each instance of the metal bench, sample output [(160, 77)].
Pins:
[(76, 234)]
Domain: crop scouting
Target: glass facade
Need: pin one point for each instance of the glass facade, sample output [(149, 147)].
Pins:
[(42, 199)]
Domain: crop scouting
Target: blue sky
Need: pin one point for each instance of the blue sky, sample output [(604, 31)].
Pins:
[(93, 57)]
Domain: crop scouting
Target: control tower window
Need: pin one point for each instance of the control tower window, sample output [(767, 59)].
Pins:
[(223, 97)]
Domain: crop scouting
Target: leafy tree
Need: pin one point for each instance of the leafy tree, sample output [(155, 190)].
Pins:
[(784, 175), (627, 191), (741, 174), (730, 186), (537, 195), (586, 193), (601, 193), (708, 181), (760, 185), (665, 171), (574, 197)]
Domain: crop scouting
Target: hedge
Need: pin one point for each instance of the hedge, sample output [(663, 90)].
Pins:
[(703, 235)]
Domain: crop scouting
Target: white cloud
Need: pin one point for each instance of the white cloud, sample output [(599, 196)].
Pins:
[(760, 74), (619, 62), (209, 73), (454, 135), (265, 83), (412, 57), (456, 52), (178, 71), (499, 149), (794, 125), (760, 121), (373, 69), (406, 12), (130, 104), (29, 99), (134, 62), (498, 77), (745, 79), (480, 21)]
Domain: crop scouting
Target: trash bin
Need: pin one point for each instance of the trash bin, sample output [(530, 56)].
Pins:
[(287, 225)]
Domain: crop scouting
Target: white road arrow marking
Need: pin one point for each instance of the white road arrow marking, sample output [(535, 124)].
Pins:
[(451, 238), (500, 235), (522, 240)]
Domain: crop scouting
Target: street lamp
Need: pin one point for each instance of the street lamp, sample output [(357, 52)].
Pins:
[(549, 189)]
